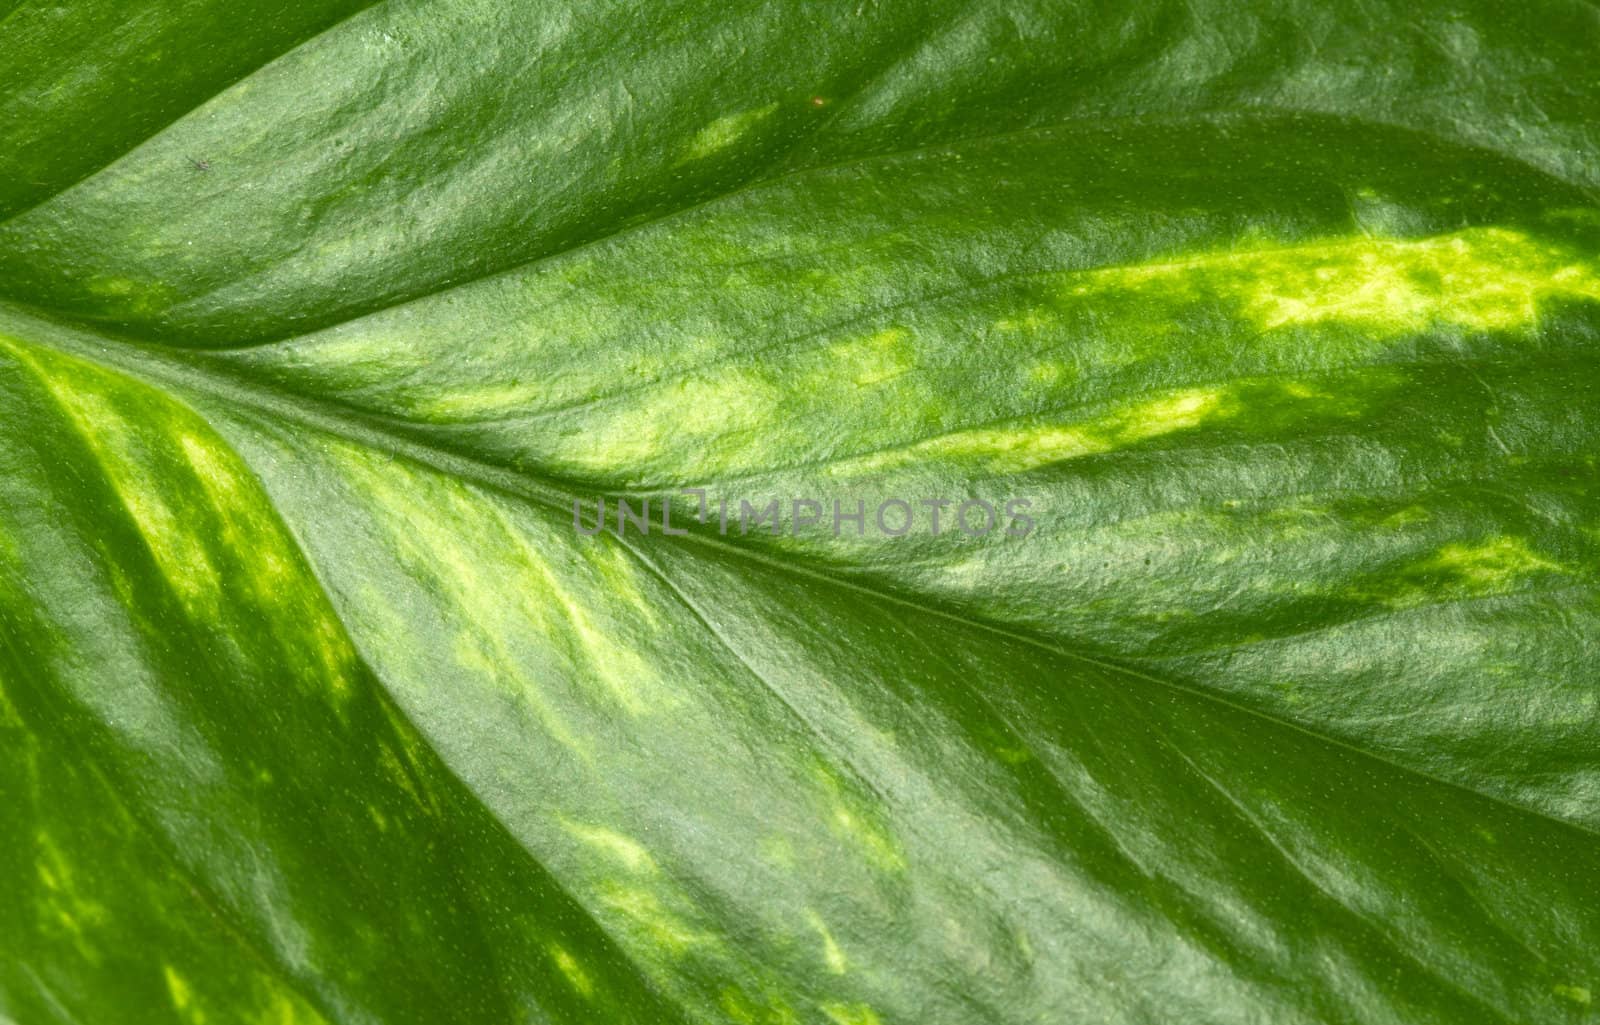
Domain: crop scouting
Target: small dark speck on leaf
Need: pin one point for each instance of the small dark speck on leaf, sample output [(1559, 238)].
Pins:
[(200, 165)]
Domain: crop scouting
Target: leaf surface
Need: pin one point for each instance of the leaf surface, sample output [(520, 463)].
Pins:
[(1282, 322)]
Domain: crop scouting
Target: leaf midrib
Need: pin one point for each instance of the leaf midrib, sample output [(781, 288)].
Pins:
[(160, 367)]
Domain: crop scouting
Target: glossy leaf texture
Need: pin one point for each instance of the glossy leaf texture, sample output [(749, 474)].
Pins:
[(317, 319)]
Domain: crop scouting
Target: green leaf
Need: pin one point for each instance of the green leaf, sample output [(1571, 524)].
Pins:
[(1280, 701)]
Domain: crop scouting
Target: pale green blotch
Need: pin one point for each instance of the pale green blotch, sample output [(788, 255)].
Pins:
[(1410, 516), (282, 1009), (238, 505), (1013, 755), (832, 955), (776, 850), (652, 909), (176, 542), (449, 406), (1478, 278), (733, 1002), (467, 404), (182, 997), (966, 575), (182, 558), (1021, 447), (271, 563), (1492, 564), (1579, 995), (1486, 279), (620, 848), (438, 520), (726, 131), (265, 1004), (357, 356), (130, 296), (851, 818), (1581, 711), (620, 574), (482, 653), (1024, 944), (9, 716), (455, 537), (401, 770), (1030, 321), (571, 970), (1047, 373), (678, 419), (651, 921), (592, 629), (851, 1014), (180, 555), (63, 907), (863, 362), (1482, 279), (773, 1010)]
